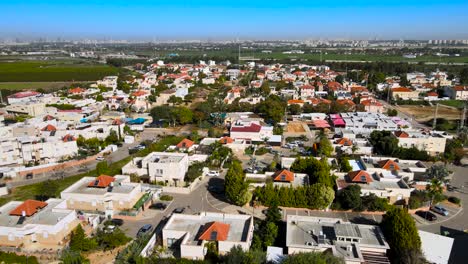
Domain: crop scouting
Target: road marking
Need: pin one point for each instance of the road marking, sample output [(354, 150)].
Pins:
[(373, 216)]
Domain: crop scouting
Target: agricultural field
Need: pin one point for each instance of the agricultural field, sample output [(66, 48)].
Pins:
[(325, 56), (426, 113), (53, 71), (453, 103), (48, 86)]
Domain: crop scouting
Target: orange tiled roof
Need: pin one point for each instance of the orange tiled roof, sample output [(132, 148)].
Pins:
[(102, 181), (77, 90), (402, 89), (283, 176), (215, 231), (360, 176), (49, 127), (344, 142), (386, 164), (185, 143), (226, 140), (68, 138), (401, 134), (295, 101), (29, 207)]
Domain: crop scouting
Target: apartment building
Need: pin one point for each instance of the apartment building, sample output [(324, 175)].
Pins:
[(23, 97), (104, 194), (434, 144), (364, 122), (457, 92), (30, 108), (190, 233), (403, 93), (352, 242), (42, 225)]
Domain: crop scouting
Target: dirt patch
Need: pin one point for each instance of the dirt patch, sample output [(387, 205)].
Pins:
[(426, 113), (295, 127), (104, 257)]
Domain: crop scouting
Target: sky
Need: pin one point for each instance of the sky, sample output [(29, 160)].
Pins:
[(227, 20)]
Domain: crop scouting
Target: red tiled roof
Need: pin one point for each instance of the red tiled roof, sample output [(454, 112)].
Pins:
[(347, 102), (185, 143), (295, 101), (215, 231), (68, 138), (401, 134), (49, 127), (226, 140), (344, 142), (102, 181), (29, 207), (386, 164), (76, 90), (432, 94), (139, 93), (48, 118), (461, 88), (402, 89), (23, 94), (370, 102), (360, 176), (283, 176), (252, 128)]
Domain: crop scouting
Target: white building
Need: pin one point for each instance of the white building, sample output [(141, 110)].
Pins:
[(190, 233), (434, 144), (41, 225), (104, 194), (23, 97), (252, 131), (354, 243)]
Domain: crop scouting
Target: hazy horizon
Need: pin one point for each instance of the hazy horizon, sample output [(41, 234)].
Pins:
[(221, 20)]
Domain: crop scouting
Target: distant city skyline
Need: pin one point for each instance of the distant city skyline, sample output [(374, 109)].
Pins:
[(223, 20)]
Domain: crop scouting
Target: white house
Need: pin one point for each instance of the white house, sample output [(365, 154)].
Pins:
[(190, 233)]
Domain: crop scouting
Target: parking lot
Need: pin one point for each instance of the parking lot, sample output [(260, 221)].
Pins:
[(452, 212)]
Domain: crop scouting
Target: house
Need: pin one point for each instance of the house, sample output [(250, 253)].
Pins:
[(30, 108), (186, 145), (403, 93), (37, 224), (457, 92), (281, 178), (433, 143), (382, 184), (109, 81), (164, 167), (190, 233), (104, 194), (399, 168), (23, 97), (354, 243), (252, 131), (372, 105)]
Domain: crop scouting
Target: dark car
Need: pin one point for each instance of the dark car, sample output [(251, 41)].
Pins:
[(117, 222), (144, 230), (179, 210), (427, 215), (216, 189), (159, 206)]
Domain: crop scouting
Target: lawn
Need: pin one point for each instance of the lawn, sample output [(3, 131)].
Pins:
[(53, 71), (453, 103)]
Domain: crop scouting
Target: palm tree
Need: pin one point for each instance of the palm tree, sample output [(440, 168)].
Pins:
[(434, 188)]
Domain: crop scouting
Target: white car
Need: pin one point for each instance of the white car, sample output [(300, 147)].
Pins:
[(100, 158), (213, 174)]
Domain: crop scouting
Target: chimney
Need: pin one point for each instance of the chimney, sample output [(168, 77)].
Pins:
[(23, 213)]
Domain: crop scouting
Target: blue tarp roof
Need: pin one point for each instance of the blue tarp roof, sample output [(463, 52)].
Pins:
[(137, 121)]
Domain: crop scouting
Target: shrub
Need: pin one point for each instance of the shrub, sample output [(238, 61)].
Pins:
[(9, 257), (166, 197), (454, 200)]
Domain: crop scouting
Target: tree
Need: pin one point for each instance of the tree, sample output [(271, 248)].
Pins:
[(175, 100), (79, 241), (112, 138), (265, 88), (464, 76), (402, 236), (434, 189), (392, 112), (48, 189), (111, 240), (272, 108), (236, 188), (350, 197), (269, 232), (318, 170), (320, 196), (312, 258), (384, 142), (238, 256), (344, 164), (294, 109), (439, 172), (339, 78)]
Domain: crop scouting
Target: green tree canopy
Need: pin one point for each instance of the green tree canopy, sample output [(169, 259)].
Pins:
[(236, 188)]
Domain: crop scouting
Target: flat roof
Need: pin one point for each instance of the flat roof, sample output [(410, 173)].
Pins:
[(44, 216)]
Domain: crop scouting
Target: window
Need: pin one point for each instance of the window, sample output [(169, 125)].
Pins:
[(213, 235), (392, 166), (283, 177), (363, 178)]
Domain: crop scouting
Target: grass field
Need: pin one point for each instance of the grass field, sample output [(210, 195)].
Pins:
[(453, 103), (326, 56), (52, 71)]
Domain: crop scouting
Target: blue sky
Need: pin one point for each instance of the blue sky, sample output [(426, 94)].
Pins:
[(254, 19)]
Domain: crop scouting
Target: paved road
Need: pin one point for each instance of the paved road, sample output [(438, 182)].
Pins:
[(121, 153), (460, 220)]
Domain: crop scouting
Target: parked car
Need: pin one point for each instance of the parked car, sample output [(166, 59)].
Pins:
[(213, 173), (427, 215), (440, 210), (100, 158), (144, 230), (117, 221), (109, 228), (179, 210), (216, 189), (159, 206)]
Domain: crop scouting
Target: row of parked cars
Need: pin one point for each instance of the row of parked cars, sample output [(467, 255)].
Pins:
[(431, 216)]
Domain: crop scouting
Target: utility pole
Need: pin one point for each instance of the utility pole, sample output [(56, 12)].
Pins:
[(435, 117), (463, 118), (1, 97)]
